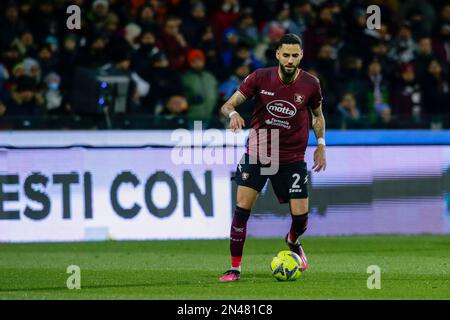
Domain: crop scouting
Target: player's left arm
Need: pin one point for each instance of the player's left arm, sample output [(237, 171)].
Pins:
[(318, 124)]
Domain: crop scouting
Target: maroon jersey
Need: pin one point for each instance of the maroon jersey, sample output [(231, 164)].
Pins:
[(280, 106)]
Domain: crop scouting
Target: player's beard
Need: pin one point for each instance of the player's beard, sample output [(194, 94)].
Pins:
[(288, 75)]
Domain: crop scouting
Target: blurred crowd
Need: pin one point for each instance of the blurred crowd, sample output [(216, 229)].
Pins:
[(186, 57)]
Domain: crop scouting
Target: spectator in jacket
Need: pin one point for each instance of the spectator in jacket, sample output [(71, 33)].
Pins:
[(200, 87)]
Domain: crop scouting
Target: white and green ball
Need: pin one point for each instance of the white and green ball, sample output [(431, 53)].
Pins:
[(286, 266)]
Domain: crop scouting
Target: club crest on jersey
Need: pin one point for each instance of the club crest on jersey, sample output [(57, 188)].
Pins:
[(298, 98), (245, 175)]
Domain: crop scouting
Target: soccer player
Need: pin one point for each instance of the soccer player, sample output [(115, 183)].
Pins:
[(280, 123)]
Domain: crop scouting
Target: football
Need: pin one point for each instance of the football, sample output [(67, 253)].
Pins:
[(286, 266)]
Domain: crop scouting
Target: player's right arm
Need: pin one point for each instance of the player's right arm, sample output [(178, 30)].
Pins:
[(229, 111)]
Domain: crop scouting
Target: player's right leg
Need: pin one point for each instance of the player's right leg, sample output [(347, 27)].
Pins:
[(246, 197), (250, 182)]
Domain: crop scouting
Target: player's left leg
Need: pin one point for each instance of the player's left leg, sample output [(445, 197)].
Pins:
[(291, 186), (299, 214)]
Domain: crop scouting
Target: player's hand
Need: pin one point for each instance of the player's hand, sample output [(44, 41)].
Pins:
[(320, 162), (236, 123)]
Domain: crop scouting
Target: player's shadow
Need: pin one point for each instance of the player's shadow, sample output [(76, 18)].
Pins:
[(106, 286)]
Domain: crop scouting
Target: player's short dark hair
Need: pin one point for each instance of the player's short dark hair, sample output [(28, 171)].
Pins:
[(290, 38)]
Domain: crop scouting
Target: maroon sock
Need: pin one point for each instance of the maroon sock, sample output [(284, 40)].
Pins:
[(298, 226), (237, 235)]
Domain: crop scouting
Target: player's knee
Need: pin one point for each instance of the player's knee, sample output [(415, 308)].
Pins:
[(244, 203)]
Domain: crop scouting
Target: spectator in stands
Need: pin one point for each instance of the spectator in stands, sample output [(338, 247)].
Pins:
[(319, 33), (376, 104), (32, 69), (52, 94), (142, 57), (246, 29), (120, 53), (423, 56), (68, 58), (348, 110), (272, 33), (406, 97), (94, 54), (302, 15), (146, 18), (326, 66), (351, 79), (441, 43), (11, 26), (25, 44), (164, 83), (436, 90), (379, 52), (200, 87), (172, 42), (47, 60), (284, 17), (240, 72), (224, 18), (195, 25), (244, 55), (402, 47), (227, 88), (421, 14), (98, 15), (23, 100), (358, 39)]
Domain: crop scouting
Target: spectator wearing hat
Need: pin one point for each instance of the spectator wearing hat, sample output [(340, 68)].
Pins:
[(200, 87), (98, 15), (23, 100), (406, 97), (32, 69)]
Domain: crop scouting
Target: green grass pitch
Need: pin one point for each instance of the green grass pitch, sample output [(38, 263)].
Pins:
[(412, 267)]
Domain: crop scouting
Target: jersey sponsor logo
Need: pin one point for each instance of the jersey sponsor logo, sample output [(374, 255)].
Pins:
[(267, 93), (281, 109), (298, 98), (276, 122)]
